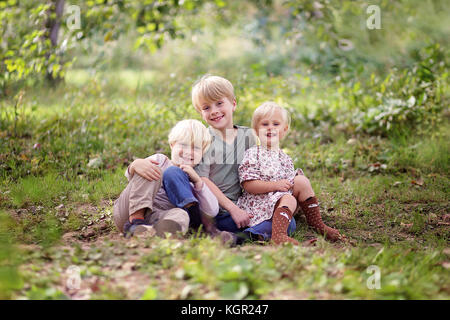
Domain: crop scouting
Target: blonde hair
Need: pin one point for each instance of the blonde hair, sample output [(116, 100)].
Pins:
[(267, 109), (190, 131), (210, 89)]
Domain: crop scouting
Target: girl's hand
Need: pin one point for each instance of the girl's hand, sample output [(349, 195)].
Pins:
[(193, 176), (146, 168), (282, 185)]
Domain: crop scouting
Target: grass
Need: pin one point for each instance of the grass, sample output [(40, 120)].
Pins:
[(200, 268), (388, 194)]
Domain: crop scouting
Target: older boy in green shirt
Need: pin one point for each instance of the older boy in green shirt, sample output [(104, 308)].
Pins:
[(213, 97)]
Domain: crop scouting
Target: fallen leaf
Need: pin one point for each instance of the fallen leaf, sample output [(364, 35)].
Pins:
[(186, 291), (431, 217), (418, 182), (95, 163), (129, 266), (376, 245), (88, 234), (406, 225), (376, 165), (309, 243), (95, 286)]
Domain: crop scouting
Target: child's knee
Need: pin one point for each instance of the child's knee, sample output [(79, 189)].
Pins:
[(289, 201), (136, 178), (301, 184), (301, 181), (173, 172)]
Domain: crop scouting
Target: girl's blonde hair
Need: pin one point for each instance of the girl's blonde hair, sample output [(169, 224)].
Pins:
[(267, 109), (210, 89), (190, 131)]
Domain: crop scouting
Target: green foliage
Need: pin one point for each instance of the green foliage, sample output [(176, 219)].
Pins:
[(10, 278), (332, 38), (37, 190), (27, 51), (25, 28), (413, 98)]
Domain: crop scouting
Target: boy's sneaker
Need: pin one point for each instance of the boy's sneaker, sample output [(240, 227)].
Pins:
[(228, 238), (166, 225), (138, 227)]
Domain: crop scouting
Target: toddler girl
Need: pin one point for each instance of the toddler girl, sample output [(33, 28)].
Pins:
[(271, 189)]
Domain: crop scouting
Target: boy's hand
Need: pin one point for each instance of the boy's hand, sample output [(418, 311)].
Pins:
[(240, 217), (146, 168), (282, 185), (193, 176)]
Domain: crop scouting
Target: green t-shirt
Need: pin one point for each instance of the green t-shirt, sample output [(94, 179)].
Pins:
[(221, 161)]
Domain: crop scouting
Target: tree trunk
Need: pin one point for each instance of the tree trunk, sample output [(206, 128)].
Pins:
[(53, 25)]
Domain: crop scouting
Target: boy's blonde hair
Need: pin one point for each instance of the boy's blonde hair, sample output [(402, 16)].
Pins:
[(267, 109), (210, 89), (190, 131)]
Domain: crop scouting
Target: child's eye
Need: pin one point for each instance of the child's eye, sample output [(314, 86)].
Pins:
[(205, 108)]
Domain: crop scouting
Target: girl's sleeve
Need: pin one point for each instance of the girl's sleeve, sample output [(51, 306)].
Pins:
[(207, 201), (160, 158), (249, 168), (289, 168)]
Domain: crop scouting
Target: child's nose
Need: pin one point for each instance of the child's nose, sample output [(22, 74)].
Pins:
[(214, 109)]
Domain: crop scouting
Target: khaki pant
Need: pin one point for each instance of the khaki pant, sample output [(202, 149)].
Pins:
[(140, 193)]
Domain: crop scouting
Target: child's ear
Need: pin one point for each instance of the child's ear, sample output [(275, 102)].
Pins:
[(234, 104), (286, 128)]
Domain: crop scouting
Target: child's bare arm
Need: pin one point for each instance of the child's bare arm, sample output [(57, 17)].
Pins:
[(147, 168), (259, 186), (239, 216)]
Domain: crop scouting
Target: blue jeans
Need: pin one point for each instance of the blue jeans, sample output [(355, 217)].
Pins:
[(179, 191), (264, 229), (224, 222)]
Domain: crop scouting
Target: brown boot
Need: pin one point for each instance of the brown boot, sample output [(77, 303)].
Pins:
[(310, 208), (280, 222)]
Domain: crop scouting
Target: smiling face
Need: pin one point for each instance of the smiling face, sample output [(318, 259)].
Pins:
[(186, 153), (271, 129), (188, 139), (219, 113)]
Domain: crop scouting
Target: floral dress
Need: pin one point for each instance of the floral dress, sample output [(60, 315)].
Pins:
[(260, 163)]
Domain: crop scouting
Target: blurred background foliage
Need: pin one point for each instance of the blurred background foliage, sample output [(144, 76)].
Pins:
[(375, 80)]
